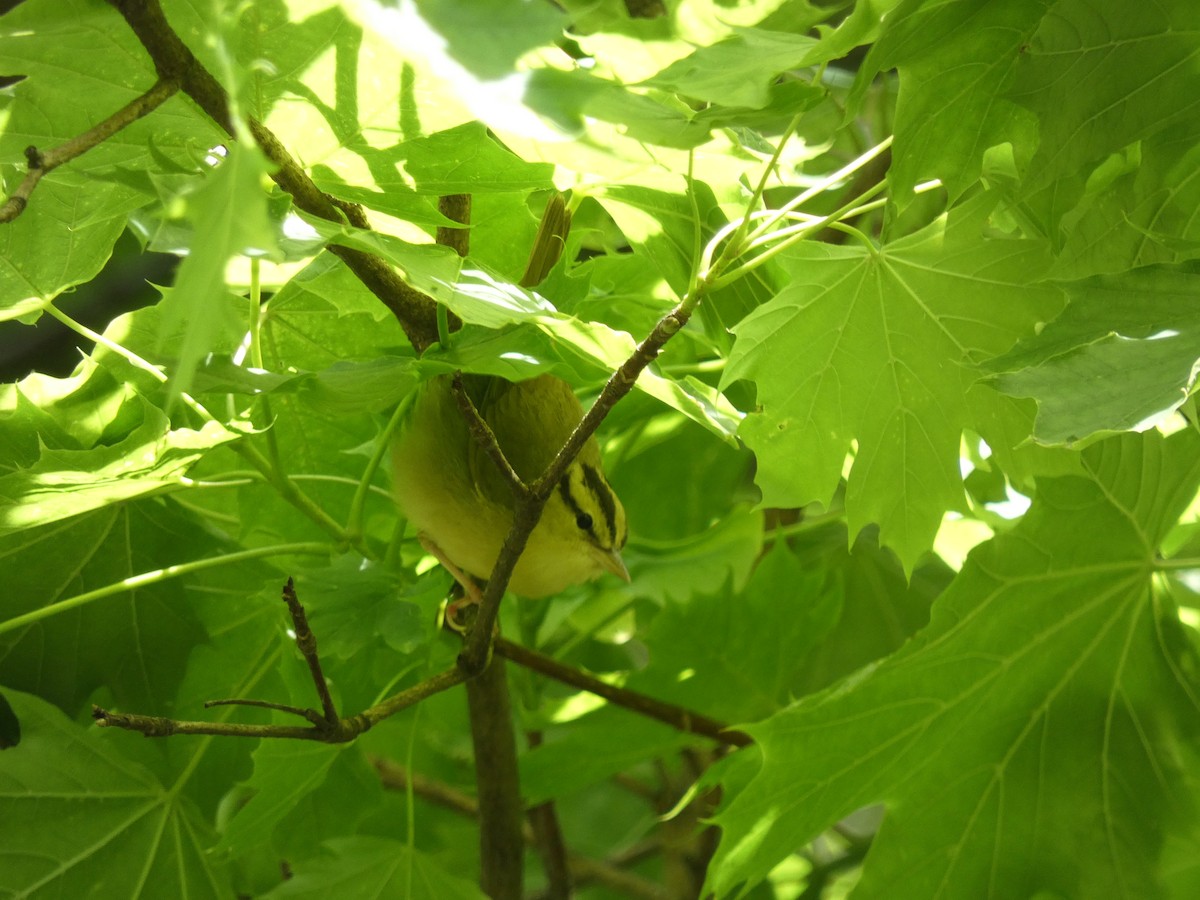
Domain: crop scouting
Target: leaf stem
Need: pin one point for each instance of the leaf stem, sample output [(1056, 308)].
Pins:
[(354, 521), (155, 576), (243, 477), (297, 498), (824, 184), (254, 316), (787, 237), (752, 211), (129, 356)]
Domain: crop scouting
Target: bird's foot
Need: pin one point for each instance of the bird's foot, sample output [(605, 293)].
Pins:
[(459, 611)]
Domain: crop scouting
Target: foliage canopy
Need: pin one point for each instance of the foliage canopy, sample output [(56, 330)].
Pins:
[(913, 495)]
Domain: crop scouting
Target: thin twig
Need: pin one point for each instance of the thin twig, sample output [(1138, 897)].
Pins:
[(157, 726), (583, 869), (675, 716), (43, 162), (307, 642), (549, 842), (309, 715), (343, 731), (482, 434)]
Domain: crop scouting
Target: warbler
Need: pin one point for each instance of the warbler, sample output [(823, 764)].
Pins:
[(448, 486)]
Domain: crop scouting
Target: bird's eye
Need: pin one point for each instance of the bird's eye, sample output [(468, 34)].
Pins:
[(584, 521)]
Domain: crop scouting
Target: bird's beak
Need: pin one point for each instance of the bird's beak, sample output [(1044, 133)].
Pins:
[(611, 561)]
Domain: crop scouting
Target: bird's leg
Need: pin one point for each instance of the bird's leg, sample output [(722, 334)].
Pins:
[(472, 595)]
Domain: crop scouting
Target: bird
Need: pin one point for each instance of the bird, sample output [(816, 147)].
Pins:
[(448, 486)]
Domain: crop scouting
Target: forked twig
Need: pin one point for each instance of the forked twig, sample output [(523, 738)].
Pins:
[(325, 726), (41, 163)]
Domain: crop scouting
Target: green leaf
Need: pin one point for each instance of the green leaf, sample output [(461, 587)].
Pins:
[(10, 725), (737, 70), (66, 233), (1041, 714), (1139, 330), (1139, 66), (398, 200), (1137, 209), (465, 160), (738, 656), (232, 207), (366, 868), (117, 826), (663, 225), (881, 606), (956, 61), (80, 49), (286, 774), (342, 597), (124, 448), (39, 258), (877, 346), (573, 100), (676, 571), (345, 388), (1024, 728), (137, 638), (598, 746), (480, 299), (643, 466)]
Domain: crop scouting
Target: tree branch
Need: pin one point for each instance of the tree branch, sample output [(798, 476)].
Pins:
[(583, 869), (501, 848), (456, 207), (175, 63), (42, 163), (675, 716), (549, 841), (326, 726), (307, 642), (493, 739), (341, 732), (483, 435)]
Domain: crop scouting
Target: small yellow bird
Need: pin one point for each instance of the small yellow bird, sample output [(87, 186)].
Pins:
[(451, 490)]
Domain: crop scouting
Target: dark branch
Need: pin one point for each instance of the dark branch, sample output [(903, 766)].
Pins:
[(343, 731), (501, 846), (676, 716), (326, 727), (176, 63), (483, 435), (583, 869), (307, 642), (456, 207), (549, 842)]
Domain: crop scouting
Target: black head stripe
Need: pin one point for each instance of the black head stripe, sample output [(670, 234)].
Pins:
[(564, 488), (604, 497)]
